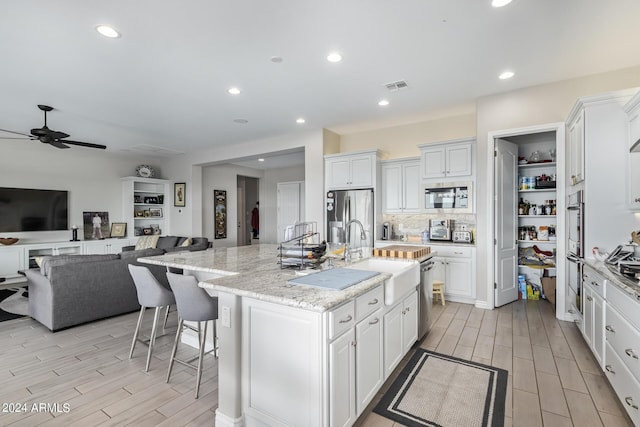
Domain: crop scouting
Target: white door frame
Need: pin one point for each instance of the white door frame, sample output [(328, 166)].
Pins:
[(559, 128)]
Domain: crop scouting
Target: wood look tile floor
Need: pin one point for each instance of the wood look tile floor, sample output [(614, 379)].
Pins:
[(553, 378)]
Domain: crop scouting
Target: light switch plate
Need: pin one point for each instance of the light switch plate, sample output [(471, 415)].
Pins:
[(225, 318)]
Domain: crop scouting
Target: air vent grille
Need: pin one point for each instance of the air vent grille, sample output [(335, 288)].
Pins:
[(396, 86)]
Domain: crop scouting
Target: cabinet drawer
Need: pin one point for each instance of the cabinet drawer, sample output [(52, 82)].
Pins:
[(341, 319), (369, 302), (452, 251), (624, 339), (596, 281), (625, 303), (624, 384)]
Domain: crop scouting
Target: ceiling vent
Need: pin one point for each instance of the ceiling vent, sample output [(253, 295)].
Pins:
[(396, 86)]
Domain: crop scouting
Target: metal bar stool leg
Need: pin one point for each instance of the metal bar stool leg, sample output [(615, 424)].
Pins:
[(175, 348), (135, 334), (152, 340), (166, 316), (203, 337)]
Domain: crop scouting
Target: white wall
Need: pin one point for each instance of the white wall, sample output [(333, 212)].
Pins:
[(91, 176)]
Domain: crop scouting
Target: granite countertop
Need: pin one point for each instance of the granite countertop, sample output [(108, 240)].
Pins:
[(253, 271), (628, 285)]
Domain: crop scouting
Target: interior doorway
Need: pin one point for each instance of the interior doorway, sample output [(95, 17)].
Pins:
[(248, 210), (515, 154)]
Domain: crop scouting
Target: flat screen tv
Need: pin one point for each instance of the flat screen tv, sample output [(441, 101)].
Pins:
[(24, 209)]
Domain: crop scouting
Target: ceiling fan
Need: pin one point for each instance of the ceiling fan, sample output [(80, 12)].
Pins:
[(52, 137)]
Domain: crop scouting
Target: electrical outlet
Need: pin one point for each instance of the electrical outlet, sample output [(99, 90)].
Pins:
[(225, 317)]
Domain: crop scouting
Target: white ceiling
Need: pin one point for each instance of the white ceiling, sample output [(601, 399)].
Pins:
[(163, 84)]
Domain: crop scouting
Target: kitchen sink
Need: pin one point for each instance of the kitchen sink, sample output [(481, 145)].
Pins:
[(405, 275)]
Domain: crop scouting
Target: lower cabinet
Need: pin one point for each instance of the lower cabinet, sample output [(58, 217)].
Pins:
[(455, 267), (369, 356), (400, 331), (108, 246), (342, 376)]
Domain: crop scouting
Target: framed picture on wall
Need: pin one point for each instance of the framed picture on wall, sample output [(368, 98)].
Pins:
[(96, 225), (180, 194), (119, 229), (220, 214)]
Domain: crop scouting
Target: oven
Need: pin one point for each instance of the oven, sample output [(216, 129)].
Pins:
[(575, 249)]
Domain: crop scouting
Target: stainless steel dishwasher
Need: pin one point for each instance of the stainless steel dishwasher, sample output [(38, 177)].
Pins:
[(426, 297)]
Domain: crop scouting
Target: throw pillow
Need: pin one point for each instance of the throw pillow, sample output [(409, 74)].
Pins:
[(187, 242), (146, 242), (38, 260)]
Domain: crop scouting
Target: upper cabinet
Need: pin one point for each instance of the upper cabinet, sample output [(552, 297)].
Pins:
[(450, 159), (575, 138), (350, 171), (633, 112), (401, 186)]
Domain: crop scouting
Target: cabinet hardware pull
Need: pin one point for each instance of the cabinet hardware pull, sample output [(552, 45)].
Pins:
[(353, 343), (631, 353), (347, 320), (595, 283), (374, 301), (374, 321), (608, 368), (404, 311), (589, 299), (610, 329), (629, 401), (408, 309), (572, 312)]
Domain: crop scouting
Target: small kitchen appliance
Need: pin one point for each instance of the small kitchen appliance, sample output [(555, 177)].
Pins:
[(440, 229), (386, 231), (461, 236)]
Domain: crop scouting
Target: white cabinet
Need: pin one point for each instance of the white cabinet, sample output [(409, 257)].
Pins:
[(342, 378), (576, 142), (452, 159), (369, 359), (107, 246), (145, 204), (401, 186), (12, 259), (347, 171), (454, 266), (400, 331), (593, 312), (633, 112)]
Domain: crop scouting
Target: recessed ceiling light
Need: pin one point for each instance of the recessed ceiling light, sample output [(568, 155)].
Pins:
[(300, 121), (506, 75), (277, 59), (234, 91), (500, 3), (241, 121), (107, 31), (261, 160), (334, 57), (383, 103)]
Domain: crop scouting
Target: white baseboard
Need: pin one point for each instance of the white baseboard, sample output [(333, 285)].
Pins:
[(483, 304), (223, 420)]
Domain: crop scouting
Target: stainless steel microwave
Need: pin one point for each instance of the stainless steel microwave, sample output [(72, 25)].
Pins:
[(448, 198)]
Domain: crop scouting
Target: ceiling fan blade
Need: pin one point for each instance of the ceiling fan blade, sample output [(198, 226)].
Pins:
[(55, 143), (17, 133), (58, 135), (84, 144), (23, 139)]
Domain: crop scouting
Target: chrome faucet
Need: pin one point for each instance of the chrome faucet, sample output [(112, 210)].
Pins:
[(363, 236)]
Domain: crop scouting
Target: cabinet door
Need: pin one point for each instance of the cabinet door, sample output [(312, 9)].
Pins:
[(116, 246), (458, 160), (587, 312), (439, 269), (393, 339), (458, 272), (598, 327), (576, 149), (12, 259), (369, 366), (338, 172), (362, 171), (410, 321), (634, 181), (433, 162), (95, 248), (411, 187), (342, 380), (392, 188)]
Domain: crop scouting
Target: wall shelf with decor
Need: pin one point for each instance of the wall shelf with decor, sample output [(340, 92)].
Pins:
[(145, 205)]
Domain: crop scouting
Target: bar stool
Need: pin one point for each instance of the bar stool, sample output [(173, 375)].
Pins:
[(438, 289), (194, 305), (150, 294)]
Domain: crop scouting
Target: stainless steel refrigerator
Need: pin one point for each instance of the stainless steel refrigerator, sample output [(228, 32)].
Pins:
[(345, 205)]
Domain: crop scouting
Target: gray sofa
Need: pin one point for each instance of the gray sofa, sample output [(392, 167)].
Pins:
[(175, 244), (69, 290)]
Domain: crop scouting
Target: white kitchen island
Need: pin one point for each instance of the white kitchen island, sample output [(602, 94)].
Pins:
[(295, 355)]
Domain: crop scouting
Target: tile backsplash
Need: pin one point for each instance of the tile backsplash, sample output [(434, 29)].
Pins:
[(414, 224)]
